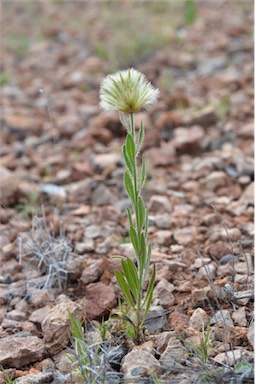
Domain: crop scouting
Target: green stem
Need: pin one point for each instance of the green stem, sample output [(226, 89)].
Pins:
[(140, 272)]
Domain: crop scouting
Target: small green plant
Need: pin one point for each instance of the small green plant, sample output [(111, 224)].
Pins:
[(202, 351), (29, 208), (190, 12), (7, 379), (128, 92), (92, 360)]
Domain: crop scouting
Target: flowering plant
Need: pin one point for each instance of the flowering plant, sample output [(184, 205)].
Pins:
[(127, 92)]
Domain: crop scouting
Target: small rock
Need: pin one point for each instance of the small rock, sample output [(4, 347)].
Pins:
[(156, 319), (247, 196), (178, 320), (94, 271), (102, 196), (38, 378), (229, 257), (162, 221), (39, 314), (188, 140), (232, 357), (92, 231), (162, 340), (219, 249), (222, 317), (207, 272), (174, 355), (56, 325), (159, 204), (163, 292), (164, 237), (99, 299), (106, 160), (185, 236), (10, 191), (138, 364), (199, 319), (250, 334), (239, 316), (216, 180), (17, 351), (16, 315), (85, 246)]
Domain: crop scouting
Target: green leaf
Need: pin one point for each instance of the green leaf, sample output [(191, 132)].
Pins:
[(124, 287), (131, 276), (146, 224), (140, 214), (140, 138), (149, 295), (142, 251), (129, 217), (129, 187), (142, 176), (130, 146), (147, 262), (134, 239), (127, 160)]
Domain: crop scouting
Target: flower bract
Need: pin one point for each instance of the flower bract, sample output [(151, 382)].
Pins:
[(127, 91)]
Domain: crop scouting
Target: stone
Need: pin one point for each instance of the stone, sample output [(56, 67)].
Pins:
[(222, 317), (247, 196), (156, 319), (163, 291), (232, 357), (17, 351), (9, 190), (216, 180), (207, 272), (199, 319), (162, 340), (93, 272), (178, 320), (138, 364), (38, 315), (41, 298), (99, 299), (56, 325), (86, 246), (219, 249), (106, 160), (36, 378), (188, 140), (16, 315), (162, 221), (159, 204), (185, 236), (239, 316), (250, 334), (102, 196), (92, 231), (164, 237), (174, 355)]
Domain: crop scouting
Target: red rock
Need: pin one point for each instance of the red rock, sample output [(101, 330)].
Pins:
[(178, 320), (19, 351), (99, 299)]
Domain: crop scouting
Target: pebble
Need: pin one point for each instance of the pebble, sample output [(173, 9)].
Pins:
[(138, 364), (232, 357), (163, 291), (185, 236), (222, 317), (199, 319), (207, 272), (239, 316), (159, 204), (215, 180)]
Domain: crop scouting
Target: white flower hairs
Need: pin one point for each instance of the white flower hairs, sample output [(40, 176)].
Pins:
[(127, 91)]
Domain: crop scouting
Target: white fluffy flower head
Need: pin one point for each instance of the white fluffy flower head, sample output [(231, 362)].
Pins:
[(127, 91)]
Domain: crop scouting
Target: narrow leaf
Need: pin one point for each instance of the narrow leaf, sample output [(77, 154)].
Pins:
[(134, 239), (140, 138), (147, 262), (131, 276), (146, 223), (142, 251), (142, 176), (129, 217), (127, 160), (129, 187), (141, 214), (130, 146), (149, 295), (124, 287)]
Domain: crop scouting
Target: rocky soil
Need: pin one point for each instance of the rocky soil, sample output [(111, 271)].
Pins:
[(63, 207)]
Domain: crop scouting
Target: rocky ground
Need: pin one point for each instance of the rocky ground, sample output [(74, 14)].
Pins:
[(63, 205)]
